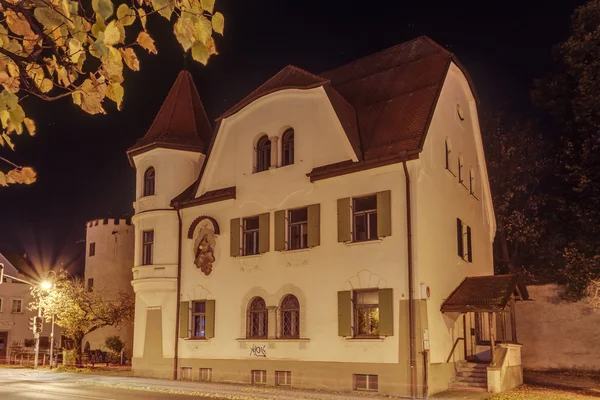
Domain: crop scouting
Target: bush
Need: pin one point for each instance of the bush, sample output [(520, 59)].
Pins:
[(114, 344), (29, 342), (70, 357)]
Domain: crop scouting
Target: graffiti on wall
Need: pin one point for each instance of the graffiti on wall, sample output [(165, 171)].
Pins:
[(258, 351)]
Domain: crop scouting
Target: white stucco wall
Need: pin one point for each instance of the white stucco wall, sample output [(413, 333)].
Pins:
[(441, 199)]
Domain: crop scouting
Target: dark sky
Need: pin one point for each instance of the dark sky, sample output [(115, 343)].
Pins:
[(83, 172)]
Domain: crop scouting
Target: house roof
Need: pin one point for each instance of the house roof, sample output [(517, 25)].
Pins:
[(9, 268), (485, 293), (181, 122)]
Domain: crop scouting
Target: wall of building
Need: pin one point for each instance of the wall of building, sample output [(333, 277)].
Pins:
[(440, 199), (557, 334), (111, 270)]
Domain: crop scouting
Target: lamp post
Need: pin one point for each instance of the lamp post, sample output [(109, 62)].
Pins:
[(46, 285)]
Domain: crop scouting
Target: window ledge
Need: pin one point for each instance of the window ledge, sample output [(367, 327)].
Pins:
[(273, 340), (250, 256), (363, 339), (463, 185), (473, 196), (295, 250), (194, 339), (152, 196), (363, 242), (450, 172)]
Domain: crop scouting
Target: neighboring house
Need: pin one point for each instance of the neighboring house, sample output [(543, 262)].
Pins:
[(108, 263), (15, 299), (285, 247)]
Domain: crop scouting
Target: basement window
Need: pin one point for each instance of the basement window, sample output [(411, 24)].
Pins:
[(283, 378), (186, 373), (205, 374), (259, 377), (366, 382)]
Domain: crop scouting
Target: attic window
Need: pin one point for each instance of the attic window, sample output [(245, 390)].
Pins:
[(263, 154), (459, 112)]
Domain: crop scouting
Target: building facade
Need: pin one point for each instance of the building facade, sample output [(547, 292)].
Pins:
[(108, 264), (313, 237)]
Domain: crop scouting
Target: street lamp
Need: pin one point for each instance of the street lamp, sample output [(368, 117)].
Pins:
[(47, 285)]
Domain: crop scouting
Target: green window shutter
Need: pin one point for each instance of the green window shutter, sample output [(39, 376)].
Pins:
[(386, 312), (184, 318), (234, 240), (345, 313), (263, 232), (314, 225), (384, 214), (344, 220), (210, 318), (280, 230)]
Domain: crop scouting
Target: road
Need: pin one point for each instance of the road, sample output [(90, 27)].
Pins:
[(51, 386)]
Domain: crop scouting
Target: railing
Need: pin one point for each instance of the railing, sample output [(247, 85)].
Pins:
[(454, 348)]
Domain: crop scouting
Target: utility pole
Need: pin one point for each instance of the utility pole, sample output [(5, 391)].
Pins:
[(52, 343), (37, 324)]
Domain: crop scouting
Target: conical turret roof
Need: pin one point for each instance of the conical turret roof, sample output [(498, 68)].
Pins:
[(181, 122)]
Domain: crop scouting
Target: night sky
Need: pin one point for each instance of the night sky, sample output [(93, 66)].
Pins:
[(83, 171)]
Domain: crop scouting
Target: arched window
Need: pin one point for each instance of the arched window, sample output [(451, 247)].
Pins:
[(460, 169), (149, 182), (448, 150), (290, 317), (472, 182), (258, 319), (287, 147), (263, 154)]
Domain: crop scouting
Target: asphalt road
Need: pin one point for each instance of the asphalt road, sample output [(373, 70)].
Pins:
[(55, 386)]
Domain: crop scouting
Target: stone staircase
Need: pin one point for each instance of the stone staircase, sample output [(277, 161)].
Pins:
[(471, 375)]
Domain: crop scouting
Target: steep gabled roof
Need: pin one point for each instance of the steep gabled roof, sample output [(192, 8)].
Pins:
[(181, 122)]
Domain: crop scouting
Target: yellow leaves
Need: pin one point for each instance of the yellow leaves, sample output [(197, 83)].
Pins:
[(218, 22), (3, 181), (112, 66), (49, 18), (130, 59), (114, 33), (125, 15), (115, 92), (91, 96), (203, 29), (24, 175), (30, 125), (75, 50), (163, 7), (208, 5), (5, 139), (143, 17), (146, 42), (103, 7), (184, 31), (18, 24), (200, 52)]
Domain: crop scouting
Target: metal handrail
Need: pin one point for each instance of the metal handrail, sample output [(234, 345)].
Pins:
[(454, 348)]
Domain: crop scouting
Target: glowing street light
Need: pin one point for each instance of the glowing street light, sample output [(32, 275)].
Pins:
[(46, 285)]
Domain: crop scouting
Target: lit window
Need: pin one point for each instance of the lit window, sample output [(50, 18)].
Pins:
[(364, 213), (263, 154), (92, 249), (149, 182), (250, 236), (287, 147), (17, 306), (366, 382), (147, 247), (298, 229), (290, 317), (283, 378), (199, 319), (258, 319), (366, 313)]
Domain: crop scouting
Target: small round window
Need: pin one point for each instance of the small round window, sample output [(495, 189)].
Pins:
[(460, 112)]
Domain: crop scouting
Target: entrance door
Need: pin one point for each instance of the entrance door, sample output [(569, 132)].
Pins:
[(3, 345)]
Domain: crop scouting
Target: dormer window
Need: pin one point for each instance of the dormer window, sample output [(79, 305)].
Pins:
[(287, 147), (149, 182), (263, 154)]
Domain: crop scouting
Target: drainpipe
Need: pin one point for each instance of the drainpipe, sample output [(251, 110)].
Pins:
[(176, 350), (411, 290)]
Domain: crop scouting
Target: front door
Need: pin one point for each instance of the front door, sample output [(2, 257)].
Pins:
[(3, 345)]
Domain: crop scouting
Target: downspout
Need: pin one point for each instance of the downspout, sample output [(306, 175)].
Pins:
[(179, 245), (411, 290)]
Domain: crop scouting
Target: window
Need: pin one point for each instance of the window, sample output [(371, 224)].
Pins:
[(366, 313), (205, 374), (469, 249), (90, 284), (448, 151), (263, 154), (460, 172), (1, 304), (199, 319), (92, 249), (366, 382), (472, 182), (147, 247), (258, 319), (17, 306), (364, 215), (459, 112), (283, 378), (186, 373), (250, 236), (459, 238), (290, 317), (259, 377), (298, 229), (149, 182), (287, 147)]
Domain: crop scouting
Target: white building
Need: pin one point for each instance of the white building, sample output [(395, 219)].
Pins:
[(108, 263), (286, 247)]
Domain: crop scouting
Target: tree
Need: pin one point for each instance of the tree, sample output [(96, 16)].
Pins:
[(55, 49), (518, 164), (572, 94), (114, 344), (79, 311), (593, 293)]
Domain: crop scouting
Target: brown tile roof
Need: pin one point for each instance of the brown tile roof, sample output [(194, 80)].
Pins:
[(181, 122), (211, 196), (484, 293)]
